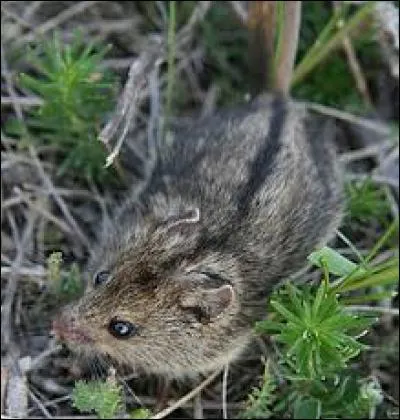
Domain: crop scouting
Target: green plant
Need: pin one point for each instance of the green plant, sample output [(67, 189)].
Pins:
[(140, 413), (366, 201), (65, 285), (319, 24), (317, 336), (330, 38), (105, 398), (76, 96), (262, 399), (317, 333)]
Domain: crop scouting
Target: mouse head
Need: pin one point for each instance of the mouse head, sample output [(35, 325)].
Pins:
[(155, 305)]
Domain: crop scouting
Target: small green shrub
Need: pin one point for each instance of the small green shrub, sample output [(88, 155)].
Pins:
[(262, 399), (105, 398), (77, 95), (366, 201), (66, 286), (317, 338)]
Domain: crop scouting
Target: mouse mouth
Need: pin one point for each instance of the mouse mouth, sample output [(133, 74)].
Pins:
[(68, 331)]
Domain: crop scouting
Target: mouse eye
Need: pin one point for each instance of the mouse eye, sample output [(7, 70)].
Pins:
[(101, 277), (121, 329)]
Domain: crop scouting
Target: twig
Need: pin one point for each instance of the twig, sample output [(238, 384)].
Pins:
[(22, 100), (37, 271), (65, 192), (364, 308), (355, 66), (136, 86), (31, 9), (387, 17), (42, 408), (206, 403), (18, 19), (186, 397), (376, 178), (240, 11), (116, 63), (49, 216), (37, 362), (198, 14), (351, 246), (198, 407), (378, 127), (4, 382), (11, 288), (392, 201), (105, 26), (52, 402), (364, 153), (57, 20), (224, 392), (128, 103)]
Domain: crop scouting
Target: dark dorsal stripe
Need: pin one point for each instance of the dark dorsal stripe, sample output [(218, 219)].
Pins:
[(262, 166), (260, 169)]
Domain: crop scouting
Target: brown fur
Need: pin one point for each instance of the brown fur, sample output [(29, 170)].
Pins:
[(236, 204)]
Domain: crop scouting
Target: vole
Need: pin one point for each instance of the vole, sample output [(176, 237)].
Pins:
[(236, 203)]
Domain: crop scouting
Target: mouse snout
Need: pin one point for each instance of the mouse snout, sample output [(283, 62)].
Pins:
[(65, 328), (60, 324)]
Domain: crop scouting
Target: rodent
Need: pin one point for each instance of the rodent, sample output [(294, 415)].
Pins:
[(235, 204)]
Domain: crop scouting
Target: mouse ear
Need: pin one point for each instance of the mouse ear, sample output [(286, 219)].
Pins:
[(207, 304)]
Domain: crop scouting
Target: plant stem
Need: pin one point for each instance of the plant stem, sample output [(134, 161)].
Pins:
[(382, 241), (289, 28), (261, 27)]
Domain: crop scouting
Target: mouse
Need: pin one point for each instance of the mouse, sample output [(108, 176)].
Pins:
[(235, 204)]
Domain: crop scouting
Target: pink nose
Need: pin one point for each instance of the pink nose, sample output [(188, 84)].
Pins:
[(66, 329), (57, 328)]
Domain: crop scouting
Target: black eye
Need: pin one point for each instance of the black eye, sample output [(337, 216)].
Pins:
[(101, 277), (121, 329)]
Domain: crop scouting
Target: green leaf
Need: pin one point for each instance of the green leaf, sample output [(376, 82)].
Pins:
[(336, 263), (286, 313), (387, 276), (321, 295), (307, 408), (292, 292), (387, 235), (368, 297), (329, 308), (102, 397), (343, 322), (268, 326)]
